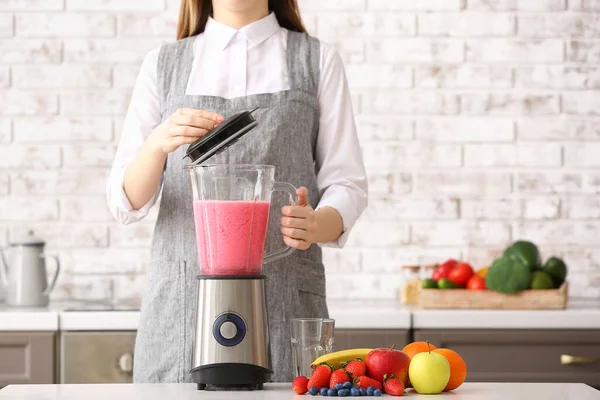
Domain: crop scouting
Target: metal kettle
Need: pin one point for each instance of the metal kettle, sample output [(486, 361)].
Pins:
[(23, 273)]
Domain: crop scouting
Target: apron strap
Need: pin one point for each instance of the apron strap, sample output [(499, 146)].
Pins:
[(174, 67), (303, 60)]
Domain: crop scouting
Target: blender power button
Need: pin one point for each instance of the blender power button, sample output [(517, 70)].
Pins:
[(229, 329)]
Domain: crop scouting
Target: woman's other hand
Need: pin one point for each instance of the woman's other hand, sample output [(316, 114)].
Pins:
[(185, 126), (299, 223)]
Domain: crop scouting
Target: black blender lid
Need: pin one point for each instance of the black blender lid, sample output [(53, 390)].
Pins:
[(223, 136)]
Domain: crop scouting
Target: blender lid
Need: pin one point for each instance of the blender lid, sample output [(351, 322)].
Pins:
[(27, 239), (223, 136)]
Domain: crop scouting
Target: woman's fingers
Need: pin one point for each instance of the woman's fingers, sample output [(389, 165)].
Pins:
[(181, 140), (295, 243), (195, 121), (291, 222), (201, 113), (294, 233), (181, 130), (296, 211), (302, 196)]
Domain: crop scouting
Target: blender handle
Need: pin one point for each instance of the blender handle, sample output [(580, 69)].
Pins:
[(286, 251)]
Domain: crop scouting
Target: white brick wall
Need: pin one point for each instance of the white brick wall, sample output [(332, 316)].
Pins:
[(479, 121)]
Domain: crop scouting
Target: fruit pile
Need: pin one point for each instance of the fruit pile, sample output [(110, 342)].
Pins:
[(519, 268), (419, 365), (452, 274)]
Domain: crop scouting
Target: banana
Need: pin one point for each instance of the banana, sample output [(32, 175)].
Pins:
[(339, 357)]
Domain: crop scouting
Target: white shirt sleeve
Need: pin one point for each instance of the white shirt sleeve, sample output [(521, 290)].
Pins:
[(341, 175), (142, 117)]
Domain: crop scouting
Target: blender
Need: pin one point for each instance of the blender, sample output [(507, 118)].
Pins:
[(231, 205)]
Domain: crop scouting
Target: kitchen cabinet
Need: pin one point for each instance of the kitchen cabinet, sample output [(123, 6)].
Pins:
[(522, 355), (96, 357), (371, 338), (27, 357)]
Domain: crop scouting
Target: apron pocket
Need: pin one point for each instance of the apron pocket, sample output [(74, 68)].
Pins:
[(160, 339), (310, 278)]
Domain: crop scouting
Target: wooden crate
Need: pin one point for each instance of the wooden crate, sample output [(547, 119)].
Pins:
[(551, 299)]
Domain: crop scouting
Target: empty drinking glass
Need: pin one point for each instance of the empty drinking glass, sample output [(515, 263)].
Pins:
[(311, 338)]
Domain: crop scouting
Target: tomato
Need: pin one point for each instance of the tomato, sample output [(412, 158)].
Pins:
[(461, 274), (476, 283), (443, 270)]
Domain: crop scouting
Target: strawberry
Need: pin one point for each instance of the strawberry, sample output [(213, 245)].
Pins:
[(320, 377), (364, 382), (300, 385), (338, 376), (393, 386), (356, 368)]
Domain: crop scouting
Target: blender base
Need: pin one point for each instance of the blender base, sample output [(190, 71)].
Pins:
[(230, 377), (217, 388)]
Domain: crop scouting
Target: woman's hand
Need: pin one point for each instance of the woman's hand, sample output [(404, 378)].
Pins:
[(185, 126), (299, 223)]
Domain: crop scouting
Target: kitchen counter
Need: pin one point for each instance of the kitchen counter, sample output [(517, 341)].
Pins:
[(81, 317), (469, 391), (347, 314), (578, 315), (99, 320), (28, 319)]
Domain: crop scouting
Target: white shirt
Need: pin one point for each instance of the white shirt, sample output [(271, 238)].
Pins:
[(231, 63)]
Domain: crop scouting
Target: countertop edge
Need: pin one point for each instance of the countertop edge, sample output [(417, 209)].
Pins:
[(29, 321), (348, 316), (505, 319), (99, 320), (480, 390)]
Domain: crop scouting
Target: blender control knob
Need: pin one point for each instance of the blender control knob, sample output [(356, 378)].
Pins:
[(228, 330)]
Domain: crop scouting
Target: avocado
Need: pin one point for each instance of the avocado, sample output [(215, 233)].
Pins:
[(541, 281), (557, 269)]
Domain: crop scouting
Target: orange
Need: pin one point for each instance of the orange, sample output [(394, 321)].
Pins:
[(458, 368), (417, 347)]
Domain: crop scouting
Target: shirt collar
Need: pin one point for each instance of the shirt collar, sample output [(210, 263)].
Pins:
[(257, 32)]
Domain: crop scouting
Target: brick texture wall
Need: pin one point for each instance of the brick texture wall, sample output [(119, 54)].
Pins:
[(479, 120)]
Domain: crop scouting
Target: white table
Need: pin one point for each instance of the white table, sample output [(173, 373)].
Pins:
[(468, 391)]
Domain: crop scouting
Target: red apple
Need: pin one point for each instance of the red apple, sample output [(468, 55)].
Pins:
[(384, 361)]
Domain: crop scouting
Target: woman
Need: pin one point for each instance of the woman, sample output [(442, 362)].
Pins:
[(230, 56)]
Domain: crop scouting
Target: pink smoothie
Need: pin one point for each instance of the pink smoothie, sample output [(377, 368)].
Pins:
[(231, 236)]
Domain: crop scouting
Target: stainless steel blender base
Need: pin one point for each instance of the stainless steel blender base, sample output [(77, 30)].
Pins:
[(231, 339)]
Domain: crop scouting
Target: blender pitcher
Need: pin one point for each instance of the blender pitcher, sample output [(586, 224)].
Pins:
[(231, 214)]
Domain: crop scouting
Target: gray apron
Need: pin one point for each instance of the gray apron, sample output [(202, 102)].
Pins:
[(285, 137)]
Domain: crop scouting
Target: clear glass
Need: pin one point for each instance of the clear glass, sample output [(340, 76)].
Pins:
[(311, 338), (231, 213)]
